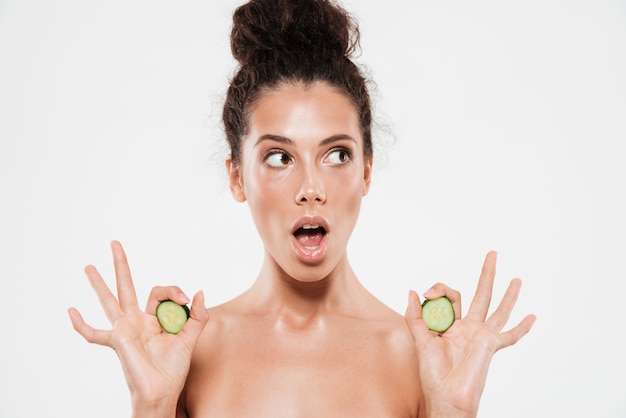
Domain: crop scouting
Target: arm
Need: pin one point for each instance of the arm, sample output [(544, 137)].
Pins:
[(155, 363), (453, 365)]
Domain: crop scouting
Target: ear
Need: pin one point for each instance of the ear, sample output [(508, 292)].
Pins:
[(367, 175), (235, 180)]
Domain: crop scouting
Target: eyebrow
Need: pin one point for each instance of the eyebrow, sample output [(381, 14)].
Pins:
[(289, 141)]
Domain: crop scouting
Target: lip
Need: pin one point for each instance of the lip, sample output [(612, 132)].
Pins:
[(311, 220), (309, 255)]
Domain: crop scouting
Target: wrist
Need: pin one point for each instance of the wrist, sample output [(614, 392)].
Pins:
[(161, 408), (447, 410)]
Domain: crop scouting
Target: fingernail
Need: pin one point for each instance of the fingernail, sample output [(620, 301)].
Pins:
[(428, 293), (183, 298)]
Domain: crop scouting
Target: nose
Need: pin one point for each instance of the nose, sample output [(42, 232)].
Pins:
[(311, 189)]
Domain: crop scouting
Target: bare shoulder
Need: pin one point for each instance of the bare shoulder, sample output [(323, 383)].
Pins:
[(222, 319), (390, 327)]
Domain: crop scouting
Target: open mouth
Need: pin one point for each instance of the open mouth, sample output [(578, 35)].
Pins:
[(309, 236)]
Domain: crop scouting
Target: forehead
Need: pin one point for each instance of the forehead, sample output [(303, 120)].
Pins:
[(296, 110)]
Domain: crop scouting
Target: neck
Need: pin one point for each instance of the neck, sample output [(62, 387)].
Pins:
[(275, 291)]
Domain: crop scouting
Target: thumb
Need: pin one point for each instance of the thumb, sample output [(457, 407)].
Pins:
[(198, 318), (413, 318), (414, 309)]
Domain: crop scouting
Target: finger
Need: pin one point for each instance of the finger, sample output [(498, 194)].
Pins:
[(198, 318), (515, 334), (125, 288), (482, 298), (414, 308), (92, 335), (441, 289), (414, 321), (159, 293), (501, 315), (107, 298)]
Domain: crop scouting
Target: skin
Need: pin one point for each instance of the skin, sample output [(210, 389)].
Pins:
[(307, 339)]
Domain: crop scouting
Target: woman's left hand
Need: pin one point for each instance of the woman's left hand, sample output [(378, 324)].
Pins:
[(453, 365)]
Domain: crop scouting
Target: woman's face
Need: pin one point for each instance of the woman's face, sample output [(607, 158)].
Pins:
[(303, 174)]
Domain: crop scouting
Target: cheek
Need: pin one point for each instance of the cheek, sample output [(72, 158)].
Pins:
[(349, 184), (346, 194), (265, 194)]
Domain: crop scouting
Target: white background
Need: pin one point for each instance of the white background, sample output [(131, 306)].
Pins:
[(507, 121)]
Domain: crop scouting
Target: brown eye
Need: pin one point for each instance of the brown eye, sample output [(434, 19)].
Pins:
[(338, 157), (277, 159)]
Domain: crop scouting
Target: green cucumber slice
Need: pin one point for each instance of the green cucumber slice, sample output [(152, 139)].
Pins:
[(172, 316), (438, 314)]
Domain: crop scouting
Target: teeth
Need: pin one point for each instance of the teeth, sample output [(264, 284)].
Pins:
[(310, 226)]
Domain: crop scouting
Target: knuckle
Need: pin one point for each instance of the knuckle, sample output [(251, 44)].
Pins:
[(164, 290)]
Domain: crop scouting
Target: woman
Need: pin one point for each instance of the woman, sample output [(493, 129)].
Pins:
[(307, 339)]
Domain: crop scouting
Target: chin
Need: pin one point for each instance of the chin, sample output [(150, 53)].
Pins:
[(311, 273), (308, 274)]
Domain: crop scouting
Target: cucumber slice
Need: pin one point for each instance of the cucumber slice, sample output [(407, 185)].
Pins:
[(438, 314), (172, 316)]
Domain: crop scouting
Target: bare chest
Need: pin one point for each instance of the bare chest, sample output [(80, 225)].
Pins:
[(276, 373)]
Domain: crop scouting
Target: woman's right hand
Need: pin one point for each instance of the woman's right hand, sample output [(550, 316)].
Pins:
[(155, 363)]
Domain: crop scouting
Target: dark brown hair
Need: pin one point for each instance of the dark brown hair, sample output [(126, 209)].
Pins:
[(283, 41)]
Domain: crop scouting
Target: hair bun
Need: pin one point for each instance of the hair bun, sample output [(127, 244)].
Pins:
[(267, 31)]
